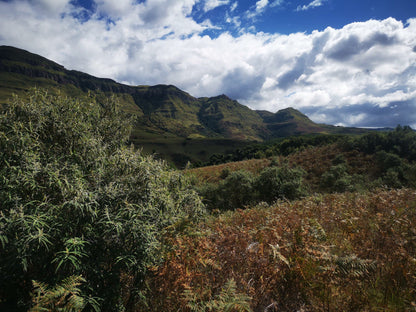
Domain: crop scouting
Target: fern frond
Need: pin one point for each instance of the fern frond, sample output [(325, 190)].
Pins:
[(353, 266), (65, 296), (278, 256), (228, 300)]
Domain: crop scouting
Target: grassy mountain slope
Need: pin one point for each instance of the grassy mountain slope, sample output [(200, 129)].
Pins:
[(229, 117), (165, 114), (164, 107), (289, 121)]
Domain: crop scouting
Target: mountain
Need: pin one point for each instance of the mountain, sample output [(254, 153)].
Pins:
[(165, 113)]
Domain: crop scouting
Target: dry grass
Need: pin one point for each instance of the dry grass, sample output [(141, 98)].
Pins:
[(213, 174)]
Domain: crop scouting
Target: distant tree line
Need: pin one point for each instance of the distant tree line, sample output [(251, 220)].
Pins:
[(400, 141), (282, 147)]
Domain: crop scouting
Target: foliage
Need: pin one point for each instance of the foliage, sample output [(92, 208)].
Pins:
[(349, 164), (228, 300), (76, 201), (401, 141), (235, 191), (336, 179), (281, 147), (335, 252), (63, 297), (280, 182), (239, 189)]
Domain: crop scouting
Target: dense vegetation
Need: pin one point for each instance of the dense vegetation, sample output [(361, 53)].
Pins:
[(312, 223), (81, 213), (334, 252), (304, 165)]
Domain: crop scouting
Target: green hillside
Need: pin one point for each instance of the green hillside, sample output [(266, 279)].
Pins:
[(164, 113)]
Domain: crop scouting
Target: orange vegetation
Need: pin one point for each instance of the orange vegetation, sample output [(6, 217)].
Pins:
[(336, 252)]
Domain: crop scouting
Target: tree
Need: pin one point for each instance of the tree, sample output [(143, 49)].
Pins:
[(76, 201)]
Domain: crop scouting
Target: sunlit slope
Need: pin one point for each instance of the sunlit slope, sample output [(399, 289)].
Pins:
[(161, 109)]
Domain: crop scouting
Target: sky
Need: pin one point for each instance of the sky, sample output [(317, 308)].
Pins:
[(347, 63)]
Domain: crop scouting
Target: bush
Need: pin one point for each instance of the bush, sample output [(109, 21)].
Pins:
[(337, 179), (342, 252), (280, 182), (388, 160), (235, 191), (240, 188), (401, 141), (77, 202)]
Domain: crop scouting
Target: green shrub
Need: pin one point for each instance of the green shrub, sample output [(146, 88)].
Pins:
[(280, 182), (234, 191), (388, 160), (391, 179), (75, 201), (337, 179), (240, 188), (393, 169), (237, 189)]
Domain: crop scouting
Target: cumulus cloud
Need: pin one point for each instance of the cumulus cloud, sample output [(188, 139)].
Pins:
[(113, 8), (363, 74), (242, 82)]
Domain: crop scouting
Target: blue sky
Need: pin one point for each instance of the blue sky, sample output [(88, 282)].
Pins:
[(349, 63), (287, 17)]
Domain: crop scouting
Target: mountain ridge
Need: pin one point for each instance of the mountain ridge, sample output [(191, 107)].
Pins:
[(161, 109)]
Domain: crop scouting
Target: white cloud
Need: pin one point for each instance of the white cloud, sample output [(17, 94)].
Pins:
[(212, 4), (234, 20), (313, 4), (261, 5), (53, 6), (259, 9), (356, 118), (332, 74), (276, 3)]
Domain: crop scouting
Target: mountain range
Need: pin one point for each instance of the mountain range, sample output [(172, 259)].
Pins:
[(165, 114)]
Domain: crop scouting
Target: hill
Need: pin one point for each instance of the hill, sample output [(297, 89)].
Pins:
[(165, 114), (89, 223)]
